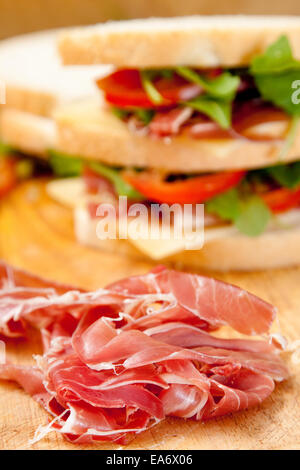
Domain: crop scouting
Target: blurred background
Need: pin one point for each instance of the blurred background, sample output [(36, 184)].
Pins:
[(22, 16)]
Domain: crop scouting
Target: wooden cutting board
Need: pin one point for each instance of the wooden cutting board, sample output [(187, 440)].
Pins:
[(37, 234)]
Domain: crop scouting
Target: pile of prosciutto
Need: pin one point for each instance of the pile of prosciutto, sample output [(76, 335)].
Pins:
[(118, 360)]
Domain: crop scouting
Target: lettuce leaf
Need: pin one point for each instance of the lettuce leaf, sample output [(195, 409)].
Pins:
[(253, 217), (119, 112), (216, 102), (274, 72), (218, 110), (225, 205), (153, 94), (223, 86), (5, 148), (145, 115), (286, 175), (276, 59), (122, 187), (248, 213), (24, 168), (64, 165)]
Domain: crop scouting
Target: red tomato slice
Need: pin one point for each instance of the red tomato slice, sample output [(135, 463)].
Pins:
[(124, 89), (189, 191), (282, 199), (8, 177)]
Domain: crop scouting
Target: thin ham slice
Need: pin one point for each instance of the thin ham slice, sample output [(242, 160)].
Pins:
[(11, 277), (28, 377), (168, 123), (246, 116), (188, 336), (244, 390), (118, 360), (133, 348), (213, 301), (204, 302), (16, 286)]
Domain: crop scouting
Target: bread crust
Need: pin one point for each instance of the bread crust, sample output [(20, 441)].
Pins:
[(205, 41), (26, 132), (92, 132), (273, 249), (31, 101), (21, 94), (34, 78)]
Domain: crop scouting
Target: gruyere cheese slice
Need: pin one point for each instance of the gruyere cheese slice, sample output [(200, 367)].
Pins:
[(159, 249), (67, 191), (71, 192)]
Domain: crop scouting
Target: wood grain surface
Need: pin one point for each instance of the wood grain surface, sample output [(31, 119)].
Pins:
[(21, 16), (37, 234)]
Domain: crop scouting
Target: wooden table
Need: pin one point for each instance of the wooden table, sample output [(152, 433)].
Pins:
[(37, 234)]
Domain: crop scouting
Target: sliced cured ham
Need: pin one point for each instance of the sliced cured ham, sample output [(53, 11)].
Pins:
[(188, 336), (19, 288), (11, 277), (118, 360), (131, 349), (242, 391), (168, 123), (198, 300), (213, 301), (29, 378)]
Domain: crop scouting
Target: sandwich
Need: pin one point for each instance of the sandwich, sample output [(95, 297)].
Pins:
[(197, 110), (32, 83)]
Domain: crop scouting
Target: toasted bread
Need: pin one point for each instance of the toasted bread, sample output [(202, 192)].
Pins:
[(34, 77), (229, 252), (200, 41), (90, 131), (25, 132)]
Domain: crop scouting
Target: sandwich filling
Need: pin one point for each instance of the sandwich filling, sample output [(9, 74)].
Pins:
[(14, 168), (210, 104), (249, 200)]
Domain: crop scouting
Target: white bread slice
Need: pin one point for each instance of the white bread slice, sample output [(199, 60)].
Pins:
[(205, 41), (224, 247), (229, 251), (88, 130), (27, 133), (35, 79)]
